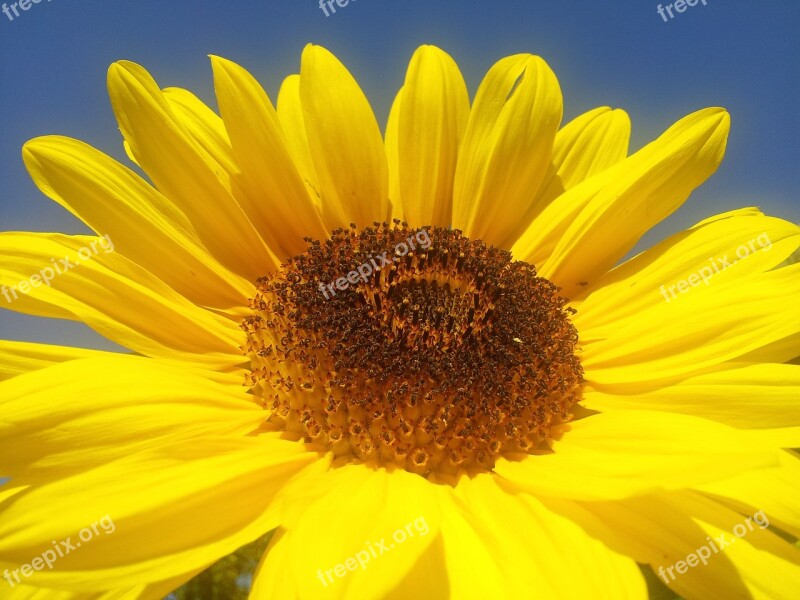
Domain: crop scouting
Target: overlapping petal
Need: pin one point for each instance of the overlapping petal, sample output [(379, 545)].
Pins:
[(665, 529), (430, 122), (516, 538), (17, 358), (743, 395), (278, 202), (694, 332), (142, 224), (587, 145), (108, 408), (774, 490), (394, 501), (617, 455), (114, 296), (505, 153), (185, 172), (165, 507), (593, 225), (344, 141)]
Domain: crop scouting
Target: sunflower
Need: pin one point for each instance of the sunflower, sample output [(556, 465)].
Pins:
[(419, 358)]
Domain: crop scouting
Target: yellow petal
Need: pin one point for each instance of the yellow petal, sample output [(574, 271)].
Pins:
[(147, 508), (114, 296), (774, 490), (8, 491), (587, 145), (392, 145), (290, 115), (344, 140), (282, 208), (21, 591), (154, 591), (471, 567), (628, 453), (506, 150), (404, 520), (267, 587), (114, 201), (17, 358), (431, 123), (731, 246), (663, 530), (184, 172), (531, 565), (109, 408), (593, 225), (785, 349), (741, 395), (203, 125), (425, 578), (692, 332)]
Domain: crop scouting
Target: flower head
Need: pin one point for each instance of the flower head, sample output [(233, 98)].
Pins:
[(419, 358)]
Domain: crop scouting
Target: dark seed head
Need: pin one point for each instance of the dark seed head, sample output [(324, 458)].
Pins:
[(434, 352)]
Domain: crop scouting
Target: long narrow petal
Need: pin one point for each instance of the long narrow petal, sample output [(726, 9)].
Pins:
[(593, 225), (153, 591), (584, 147), (114, 201), (628, 453), (203, 125), (691, 333), (159, 511), (774, 491), (183, 171), (114, 296), (587, 145), (531, 566), (431, 123), (109, 408), (727, 247), (783, 350), (17, 358), (282, 208), (664, 530), (392, 144), (290, 115), (743, 395), (396, 501), (506, 150), (344, 140)]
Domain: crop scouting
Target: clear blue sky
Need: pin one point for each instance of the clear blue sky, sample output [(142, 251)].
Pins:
[(739, 54)]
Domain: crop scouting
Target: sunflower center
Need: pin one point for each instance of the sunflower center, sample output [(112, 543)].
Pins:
[(416, 348)]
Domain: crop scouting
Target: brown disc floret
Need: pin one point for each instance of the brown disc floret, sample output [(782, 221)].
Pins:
[(418, 348)]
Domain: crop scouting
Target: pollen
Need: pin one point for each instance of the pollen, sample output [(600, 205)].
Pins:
[(421, 349)]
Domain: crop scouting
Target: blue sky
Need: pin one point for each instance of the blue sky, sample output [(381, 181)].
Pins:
[(744, 56)]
